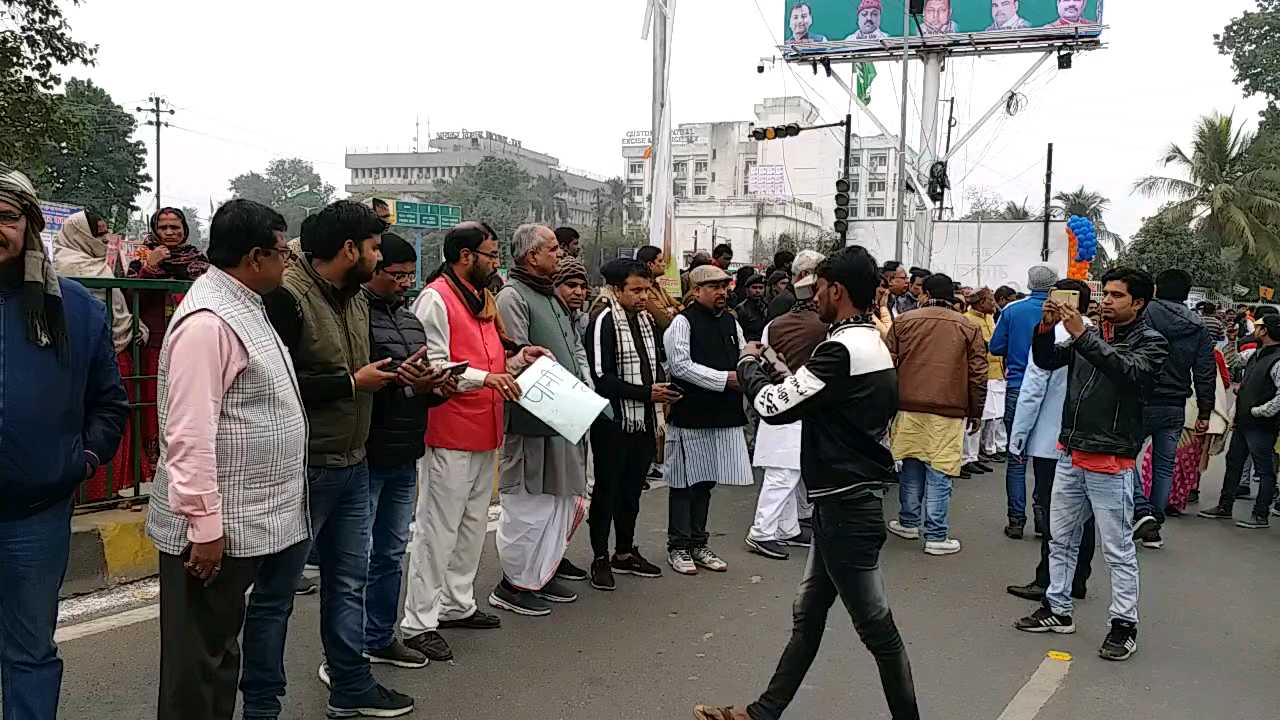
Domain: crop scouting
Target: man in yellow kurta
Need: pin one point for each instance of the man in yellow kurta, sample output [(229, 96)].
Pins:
[(989, 440)]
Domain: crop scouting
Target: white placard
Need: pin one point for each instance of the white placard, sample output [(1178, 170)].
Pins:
[(559, 398)]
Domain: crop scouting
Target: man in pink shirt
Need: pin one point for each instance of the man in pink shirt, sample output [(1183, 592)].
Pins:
[(229, 506)]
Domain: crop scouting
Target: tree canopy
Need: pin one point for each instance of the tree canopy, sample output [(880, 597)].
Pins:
[(281, 185), (494, 190), (1163, 243)]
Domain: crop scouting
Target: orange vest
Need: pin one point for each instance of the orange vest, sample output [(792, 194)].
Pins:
[(470, 421)]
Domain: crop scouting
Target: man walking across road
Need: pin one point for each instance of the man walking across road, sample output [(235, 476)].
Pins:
[(705, 441), (1012, 341), (544, 476), (625, 355), (942, 368), (323, 318), (1111, 369), (846, 396), (460, 319)]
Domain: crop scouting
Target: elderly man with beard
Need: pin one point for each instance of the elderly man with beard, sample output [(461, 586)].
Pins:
[(64, 409), (544, 476), (323, 318)]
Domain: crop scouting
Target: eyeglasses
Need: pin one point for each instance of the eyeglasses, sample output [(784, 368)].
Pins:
[(10, 219), (402, 277), (285, 252), (491, 256)]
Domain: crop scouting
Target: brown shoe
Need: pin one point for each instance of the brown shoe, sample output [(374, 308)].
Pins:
[(719, 712)]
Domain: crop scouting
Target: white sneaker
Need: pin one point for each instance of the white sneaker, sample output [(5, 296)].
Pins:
[(682, 562), (323, 674), (950, 546), (903, 531), (703, 557)]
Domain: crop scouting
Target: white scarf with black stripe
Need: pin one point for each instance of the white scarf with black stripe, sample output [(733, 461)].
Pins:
[(633, 367)]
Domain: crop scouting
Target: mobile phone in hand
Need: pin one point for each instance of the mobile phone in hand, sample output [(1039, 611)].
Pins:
[(456, 368)]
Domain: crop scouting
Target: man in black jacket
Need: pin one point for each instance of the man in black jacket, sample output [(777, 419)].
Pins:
[(1111, 370), (753, 311), (395, 444), (1163, 417), (847, 394)]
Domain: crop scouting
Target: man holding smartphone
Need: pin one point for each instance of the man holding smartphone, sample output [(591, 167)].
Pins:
[(624, 354)]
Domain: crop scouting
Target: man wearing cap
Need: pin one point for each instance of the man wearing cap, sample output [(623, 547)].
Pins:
[(782, 495), (1012, 341), (753, 311), (705, 441), (571, 287), (868, 22)]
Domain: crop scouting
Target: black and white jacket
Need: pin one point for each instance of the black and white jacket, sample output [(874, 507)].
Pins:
[(847, 394)]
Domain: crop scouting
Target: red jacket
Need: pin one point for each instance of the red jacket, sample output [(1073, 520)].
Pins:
[(470, 421)]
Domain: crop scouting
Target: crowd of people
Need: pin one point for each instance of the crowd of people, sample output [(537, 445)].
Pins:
[(308, 412)]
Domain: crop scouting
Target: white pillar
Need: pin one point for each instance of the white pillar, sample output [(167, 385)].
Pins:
[(928, 151)]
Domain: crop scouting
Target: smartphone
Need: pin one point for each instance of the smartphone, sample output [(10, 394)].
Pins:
[(392, 366), (770, 355), (1066, 297), (456, 368)]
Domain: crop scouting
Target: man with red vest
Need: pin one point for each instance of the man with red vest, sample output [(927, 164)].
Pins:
[(461, 322)]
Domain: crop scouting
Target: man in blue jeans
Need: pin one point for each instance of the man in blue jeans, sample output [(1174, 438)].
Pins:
[(1012, 341), (1164, 415), (322, 315), (63, 413)]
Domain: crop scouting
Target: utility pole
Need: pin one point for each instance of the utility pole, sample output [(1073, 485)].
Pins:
[(156, 111), (1048, 185), (598, 214), (848, 131), (899, 239), (416, 120), (951, 122)]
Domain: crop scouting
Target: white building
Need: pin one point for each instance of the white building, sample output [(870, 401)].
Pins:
[(713, 163), (407, 173)]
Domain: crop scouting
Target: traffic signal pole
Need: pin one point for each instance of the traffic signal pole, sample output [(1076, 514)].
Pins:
[(848, 131)]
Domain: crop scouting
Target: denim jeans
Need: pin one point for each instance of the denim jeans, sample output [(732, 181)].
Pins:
[(1257, 444), (1077, 494), (844, 562), (340, 525), (393, 491), (1164, 426), (33, 559), (1015, 469), (919, 484), (1045, 470)]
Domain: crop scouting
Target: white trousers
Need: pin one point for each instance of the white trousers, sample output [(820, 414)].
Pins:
[(778, 508), (994, 439), (449, 527), (972, 443), (533, 533)]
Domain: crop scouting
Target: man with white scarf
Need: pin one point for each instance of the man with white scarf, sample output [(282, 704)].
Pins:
[(624, 354), (782, 500), (544, 479)]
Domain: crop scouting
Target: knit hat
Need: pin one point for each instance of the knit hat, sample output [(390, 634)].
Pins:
[(1041, 277), (865, 4), (569, 269)]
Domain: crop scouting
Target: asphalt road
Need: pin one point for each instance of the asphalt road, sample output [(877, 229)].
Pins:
[(1209, 643)]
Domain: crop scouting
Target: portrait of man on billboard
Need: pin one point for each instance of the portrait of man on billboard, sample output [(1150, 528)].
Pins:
[(868, 22), (1070, 12), (1004, 16), (937, 18), (801, 22)]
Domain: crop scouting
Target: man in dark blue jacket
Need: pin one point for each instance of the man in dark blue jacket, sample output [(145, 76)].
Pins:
[(1012, 341), (62, 411)]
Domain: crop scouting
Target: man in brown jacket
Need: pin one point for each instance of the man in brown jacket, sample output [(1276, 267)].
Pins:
[(942, 380)]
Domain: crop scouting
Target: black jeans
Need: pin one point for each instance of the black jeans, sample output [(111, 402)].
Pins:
[(687, 510), (1258, 444), (1045, 469), (845, 562), (621, 461)]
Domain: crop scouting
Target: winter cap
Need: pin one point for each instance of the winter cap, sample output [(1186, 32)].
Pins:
[(706, 274), (1041, 277), (866, 4), (570, 268)]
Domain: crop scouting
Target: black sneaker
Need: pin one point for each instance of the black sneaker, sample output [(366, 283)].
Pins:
[(1255, 522), (1153, 541), (520, 602), (305, 586), (1013, 531), (768, 548), (1045, 620), (1121, 642), (571, 572), (655, 473), (431, 644), (602, 575), (1144, 527), (556, 593), (1193, 497), (974, 468), (635, 564), (1172, 512), (477, 620), (398, 654), (1215, 513), (804, 539), (1030, 591), (376, 702)]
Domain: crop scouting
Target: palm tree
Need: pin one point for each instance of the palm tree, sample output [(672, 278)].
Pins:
[(1091, 205), (618, 198), (547, 203), (1015, 211), (1226, 197)]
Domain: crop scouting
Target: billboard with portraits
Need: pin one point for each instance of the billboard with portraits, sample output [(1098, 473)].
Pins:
[(819, 27)]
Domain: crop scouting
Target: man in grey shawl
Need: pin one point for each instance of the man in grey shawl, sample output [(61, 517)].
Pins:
[(544, 477)]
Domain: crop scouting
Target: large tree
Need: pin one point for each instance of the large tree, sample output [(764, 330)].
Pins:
[(291, 186), (1229, 200), (35, 43), (494, 190), (548, 206), (1253, 42), (105, 170), (1163, 243)]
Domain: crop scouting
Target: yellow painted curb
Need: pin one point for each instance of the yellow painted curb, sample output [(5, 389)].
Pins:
[(128, 552)]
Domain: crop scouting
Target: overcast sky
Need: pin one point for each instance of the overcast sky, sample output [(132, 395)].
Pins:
[(253, 81)]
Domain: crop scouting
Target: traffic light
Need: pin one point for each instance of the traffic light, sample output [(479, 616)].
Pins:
[(773, 133), (938, 181), (842, 206)]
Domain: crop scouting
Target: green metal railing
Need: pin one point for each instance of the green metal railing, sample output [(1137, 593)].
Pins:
[(134, 291)]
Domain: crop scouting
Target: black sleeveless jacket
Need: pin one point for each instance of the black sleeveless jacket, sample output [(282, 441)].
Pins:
[(713, 341)]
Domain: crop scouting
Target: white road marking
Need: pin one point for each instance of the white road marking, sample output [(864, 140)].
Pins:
[(1044, 682), (110, 622)]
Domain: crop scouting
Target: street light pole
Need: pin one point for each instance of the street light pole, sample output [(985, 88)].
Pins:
[(899, 239)]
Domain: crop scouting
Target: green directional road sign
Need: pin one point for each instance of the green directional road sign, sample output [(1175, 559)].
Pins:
[(427, 215)]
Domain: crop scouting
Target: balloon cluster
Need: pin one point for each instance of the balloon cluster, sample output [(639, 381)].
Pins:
[(1081, 230)]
